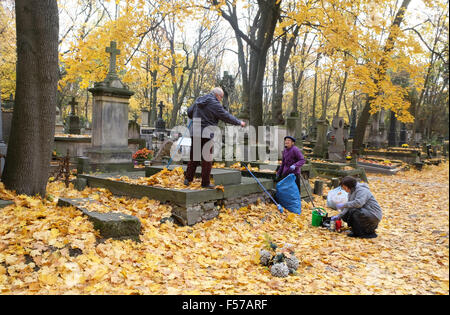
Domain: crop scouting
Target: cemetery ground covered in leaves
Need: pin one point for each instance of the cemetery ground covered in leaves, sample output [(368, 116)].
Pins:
[(45, 249)]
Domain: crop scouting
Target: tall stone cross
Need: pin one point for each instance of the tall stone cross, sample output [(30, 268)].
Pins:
[(114, 52), (72, 104)]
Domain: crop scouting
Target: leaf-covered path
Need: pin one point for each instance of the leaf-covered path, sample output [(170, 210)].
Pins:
[(48, 250)]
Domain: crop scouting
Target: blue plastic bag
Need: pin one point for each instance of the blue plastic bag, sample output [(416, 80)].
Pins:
[(287, 194)]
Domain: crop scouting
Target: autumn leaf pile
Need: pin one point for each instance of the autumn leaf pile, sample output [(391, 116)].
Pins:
[(49, 250), (165, 179)]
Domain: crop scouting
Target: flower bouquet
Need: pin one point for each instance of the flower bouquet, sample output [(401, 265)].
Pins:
[(142, 155)]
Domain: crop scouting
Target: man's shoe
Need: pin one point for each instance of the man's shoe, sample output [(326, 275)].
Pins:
[(186, 182), (208, 186)]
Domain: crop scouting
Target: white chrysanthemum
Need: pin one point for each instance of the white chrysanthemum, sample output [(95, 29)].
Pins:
[(279, 270), (264, 257), (292, 262)]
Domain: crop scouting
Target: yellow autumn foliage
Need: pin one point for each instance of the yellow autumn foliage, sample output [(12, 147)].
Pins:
[(220, 256)]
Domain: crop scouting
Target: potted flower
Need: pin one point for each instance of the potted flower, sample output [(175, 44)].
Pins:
[(142, 155)]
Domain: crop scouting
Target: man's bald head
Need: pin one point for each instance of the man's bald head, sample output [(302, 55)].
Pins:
[(218, 92)]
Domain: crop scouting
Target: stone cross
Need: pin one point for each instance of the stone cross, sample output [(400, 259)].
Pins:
[(72, 104), (113, 51), (161, 106)]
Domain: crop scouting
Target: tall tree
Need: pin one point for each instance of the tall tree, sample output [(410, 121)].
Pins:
[(33, 123), (380, 75), (259, 40)]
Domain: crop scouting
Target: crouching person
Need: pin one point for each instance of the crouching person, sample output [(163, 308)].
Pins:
[(362, 212)]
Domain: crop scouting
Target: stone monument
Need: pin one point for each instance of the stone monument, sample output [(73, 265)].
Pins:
[(336, 149), (74, 120), (294, 128), (402, 134), (352, 124), (109, 149), (160, 124), (320, 149), (145, 118), (227, 85), (392, 137)]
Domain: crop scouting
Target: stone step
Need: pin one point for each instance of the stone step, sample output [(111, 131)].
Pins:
[(110, 225)]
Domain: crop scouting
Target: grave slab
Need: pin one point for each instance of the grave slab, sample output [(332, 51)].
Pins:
[(110, 225), (5, 203)]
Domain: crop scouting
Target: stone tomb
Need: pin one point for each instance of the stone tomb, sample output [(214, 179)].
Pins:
[(190, 206), (219, 175), (331, 169), (379, 168)]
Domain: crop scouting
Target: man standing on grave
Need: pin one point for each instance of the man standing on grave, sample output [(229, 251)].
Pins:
[(209, 111), (292, 161)]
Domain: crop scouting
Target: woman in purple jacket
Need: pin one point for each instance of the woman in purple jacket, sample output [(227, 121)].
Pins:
[(292, 161)]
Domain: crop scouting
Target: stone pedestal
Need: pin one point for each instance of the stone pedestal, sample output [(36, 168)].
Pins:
[(109, 149), (74, 125)]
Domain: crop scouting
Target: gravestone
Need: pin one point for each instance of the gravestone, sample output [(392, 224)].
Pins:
[(145, 118), (134, 130), (336, 149), (377, 131), (418, 139), (321, 147), (402, 134), (160, 124), (109, 149), (9, 104), (59, 125), (164, 151), (74, 120), (294, 128), (227, 85), (392, 137)]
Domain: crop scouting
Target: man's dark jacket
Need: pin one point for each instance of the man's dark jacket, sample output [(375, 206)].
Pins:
[(210, 111)]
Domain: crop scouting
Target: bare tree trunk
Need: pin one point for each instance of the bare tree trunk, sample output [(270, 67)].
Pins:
[(313, 114), (33, 123), (285, 53), (259, 41)]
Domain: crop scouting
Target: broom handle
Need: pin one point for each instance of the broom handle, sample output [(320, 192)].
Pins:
[(307, 190), (260, 184)]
